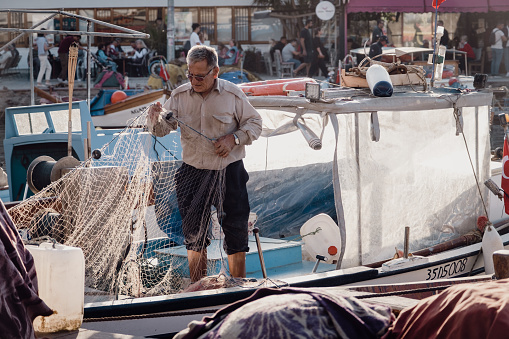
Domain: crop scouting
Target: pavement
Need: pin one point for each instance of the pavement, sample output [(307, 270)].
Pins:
[(21, 81)]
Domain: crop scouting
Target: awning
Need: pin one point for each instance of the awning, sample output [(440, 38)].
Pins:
[(459, 6), (498, 5), (408, 6), (420, 6)]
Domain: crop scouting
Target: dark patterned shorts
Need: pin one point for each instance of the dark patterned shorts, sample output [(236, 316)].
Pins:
[(198, 190)]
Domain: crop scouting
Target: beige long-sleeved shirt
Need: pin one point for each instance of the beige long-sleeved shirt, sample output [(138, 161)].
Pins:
[(225, 110)]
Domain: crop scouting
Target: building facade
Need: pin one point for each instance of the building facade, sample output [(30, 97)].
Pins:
[(220, 23)]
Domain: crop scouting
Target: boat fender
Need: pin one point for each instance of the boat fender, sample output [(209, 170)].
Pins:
[(379, 81), (491, 242)]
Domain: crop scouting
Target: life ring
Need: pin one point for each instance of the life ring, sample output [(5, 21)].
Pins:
[(275, 87)]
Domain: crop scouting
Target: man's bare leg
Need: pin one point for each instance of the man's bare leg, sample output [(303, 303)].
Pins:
[(197, 264), (237, 264)]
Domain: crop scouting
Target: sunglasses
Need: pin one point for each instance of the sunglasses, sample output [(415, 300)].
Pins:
[(198, 77)]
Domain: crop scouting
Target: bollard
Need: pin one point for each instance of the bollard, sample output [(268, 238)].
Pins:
[(501, 263)]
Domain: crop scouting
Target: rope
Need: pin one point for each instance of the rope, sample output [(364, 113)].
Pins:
[(456, 117)]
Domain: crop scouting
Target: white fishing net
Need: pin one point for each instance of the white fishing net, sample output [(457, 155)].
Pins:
[(122, 211)]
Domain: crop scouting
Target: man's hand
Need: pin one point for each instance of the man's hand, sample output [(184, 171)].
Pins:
[(224, 145), (154, 112)]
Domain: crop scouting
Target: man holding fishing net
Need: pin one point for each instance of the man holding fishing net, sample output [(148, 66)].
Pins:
[(216, 122)]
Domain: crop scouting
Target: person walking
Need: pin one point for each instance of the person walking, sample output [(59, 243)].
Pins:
[(42, 52), (319, 55), (228, 122), (497, 48), (306, 43)]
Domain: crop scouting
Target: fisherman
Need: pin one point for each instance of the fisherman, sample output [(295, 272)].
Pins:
[(216, 122)]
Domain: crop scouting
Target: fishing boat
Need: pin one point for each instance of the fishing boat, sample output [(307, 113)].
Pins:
[(338, 177), (118, 114)]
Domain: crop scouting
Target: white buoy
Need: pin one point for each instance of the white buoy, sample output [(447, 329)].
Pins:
[(379, 81), (491, 242)]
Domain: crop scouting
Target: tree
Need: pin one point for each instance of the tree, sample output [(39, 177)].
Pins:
[(292, 13)]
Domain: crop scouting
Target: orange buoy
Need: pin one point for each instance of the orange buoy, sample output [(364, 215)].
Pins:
[(118, 96), (275, 87)]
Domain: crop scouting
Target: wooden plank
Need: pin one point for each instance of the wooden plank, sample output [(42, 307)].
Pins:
[(348, 80)]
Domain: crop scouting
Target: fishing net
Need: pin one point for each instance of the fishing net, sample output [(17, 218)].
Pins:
[(122, 211), (125, 208)]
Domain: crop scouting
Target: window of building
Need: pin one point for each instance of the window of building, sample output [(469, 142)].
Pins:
[(264, 29), (208, 23), (184, 19), (224, 24), (242, 24)]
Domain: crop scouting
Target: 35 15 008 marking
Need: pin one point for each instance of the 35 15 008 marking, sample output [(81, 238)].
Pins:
[(447, 270)]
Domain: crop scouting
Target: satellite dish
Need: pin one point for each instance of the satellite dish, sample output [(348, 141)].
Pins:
[(325, 10)]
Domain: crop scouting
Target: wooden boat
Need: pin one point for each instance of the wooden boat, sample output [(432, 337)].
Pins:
[(275, 87), (121, 114)]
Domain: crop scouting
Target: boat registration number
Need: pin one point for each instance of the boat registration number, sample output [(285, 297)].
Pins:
[(447, 270)]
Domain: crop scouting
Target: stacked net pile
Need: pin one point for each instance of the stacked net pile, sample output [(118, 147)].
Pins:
[(122, 211)]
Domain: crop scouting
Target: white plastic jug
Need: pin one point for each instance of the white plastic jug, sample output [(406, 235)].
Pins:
[(61, 277), (491, 242)]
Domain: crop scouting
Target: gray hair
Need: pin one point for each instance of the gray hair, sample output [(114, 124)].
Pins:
[(202, 52)]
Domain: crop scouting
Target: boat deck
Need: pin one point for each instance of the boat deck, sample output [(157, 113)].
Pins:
[(283, 258)]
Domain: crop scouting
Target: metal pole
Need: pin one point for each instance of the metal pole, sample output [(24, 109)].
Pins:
[(31, 60), (260, 252), (407, 239), (89, 61), (435, 49), (89, 137), (170, 31)]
